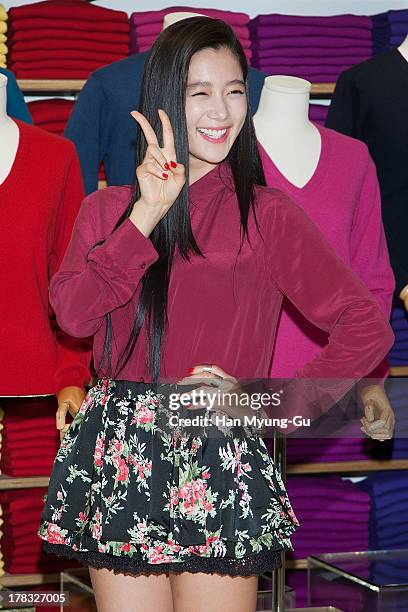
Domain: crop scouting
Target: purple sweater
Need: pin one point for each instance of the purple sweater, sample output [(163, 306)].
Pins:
[(343, 199)]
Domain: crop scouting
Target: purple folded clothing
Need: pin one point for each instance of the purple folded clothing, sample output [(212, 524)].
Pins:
[(332, 486), (318, 114), (357, 21), (389, 29), (297, 52), (306, 60), (267, 31), (311, 70), (322, 77), (326, 527), (153, 16), (325, 42), (360, 517)]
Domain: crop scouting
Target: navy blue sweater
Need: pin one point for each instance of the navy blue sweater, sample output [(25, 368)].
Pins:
[(16, 106), (102, 128)]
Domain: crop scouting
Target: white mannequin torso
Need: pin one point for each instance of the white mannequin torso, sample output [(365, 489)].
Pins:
[(403, 48), (283, 128), (9, 134)]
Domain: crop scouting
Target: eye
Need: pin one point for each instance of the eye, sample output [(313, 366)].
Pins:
[(200, 93), (237, 91)]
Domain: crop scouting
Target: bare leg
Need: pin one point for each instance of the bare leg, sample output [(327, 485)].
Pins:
[(126, 593), (202, 592)]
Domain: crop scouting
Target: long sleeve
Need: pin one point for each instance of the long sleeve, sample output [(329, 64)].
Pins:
[(369, 252), (73, 355), (16, 106), (329, 294), (83, 128), (343, 115), (93, 282)]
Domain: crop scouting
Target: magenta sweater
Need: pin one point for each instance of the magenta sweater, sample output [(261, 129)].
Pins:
[(343, 200)]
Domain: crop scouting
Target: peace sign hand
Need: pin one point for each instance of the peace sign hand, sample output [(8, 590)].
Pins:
[(160, 177)]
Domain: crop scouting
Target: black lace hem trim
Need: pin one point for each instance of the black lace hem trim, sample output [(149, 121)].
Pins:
[(264, 561)]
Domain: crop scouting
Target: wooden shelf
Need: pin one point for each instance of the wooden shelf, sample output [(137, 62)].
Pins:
[(322, 88), (9, 482), (346, 466), (73, 85), (12, 580), (46, 85), (399, 370)]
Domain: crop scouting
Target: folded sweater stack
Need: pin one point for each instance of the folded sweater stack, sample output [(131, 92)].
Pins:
[(30, 439), (146, 26), (317, 49), (65, 39)]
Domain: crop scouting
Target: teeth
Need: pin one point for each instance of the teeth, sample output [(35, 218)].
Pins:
[(213, 133)]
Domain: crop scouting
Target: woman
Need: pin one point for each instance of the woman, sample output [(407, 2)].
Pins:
[(186, 271)]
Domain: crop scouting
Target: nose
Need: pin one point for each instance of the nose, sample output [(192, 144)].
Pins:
[(219, 109)]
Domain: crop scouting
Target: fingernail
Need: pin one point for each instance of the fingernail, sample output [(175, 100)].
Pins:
[(166, 165), (173, 164), (164, 175), (191, 370)]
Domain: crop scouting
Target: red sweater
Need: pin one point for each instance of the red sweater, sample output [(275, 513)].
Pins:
[(39, 201)]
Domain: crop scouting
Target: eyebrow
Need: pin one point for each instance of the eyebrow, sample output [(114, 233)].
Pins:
[(208, 84)]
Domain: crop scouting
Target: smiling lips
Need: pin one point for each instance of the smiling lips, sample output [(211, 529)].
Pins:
[(214, 136)]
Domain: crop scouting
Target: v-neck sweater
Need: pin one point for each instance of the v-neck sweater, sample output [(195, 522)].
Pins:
[(342, 198), (39, 200), (223, 308)]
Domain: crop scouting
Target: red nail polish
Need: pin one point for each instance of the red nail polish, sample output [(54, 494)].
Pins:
[(164, 175), (191, 370), (166, 165), (173, 164)]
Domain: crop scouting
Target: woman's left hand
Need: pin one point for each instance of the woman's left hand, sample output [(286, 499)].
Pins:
[(379, 420), (220, 382)]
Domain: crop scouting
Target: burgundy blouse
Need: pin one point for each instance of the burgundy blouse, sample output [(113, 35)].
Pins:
[(222, 308)]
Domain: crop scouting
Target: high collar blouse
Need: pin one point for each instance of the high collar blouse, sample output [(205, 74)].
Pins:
[(222, 308)]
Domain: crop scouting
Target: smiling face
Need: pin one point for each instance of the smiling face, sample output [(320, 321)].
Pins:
[(216, 108)]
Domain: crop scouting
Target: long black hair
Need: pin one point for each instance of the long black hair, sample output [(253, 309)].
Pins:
[(164, 86)]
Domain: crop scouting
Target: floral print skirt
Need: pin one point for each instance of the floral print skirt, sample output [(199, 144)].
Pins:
[(130, 497)]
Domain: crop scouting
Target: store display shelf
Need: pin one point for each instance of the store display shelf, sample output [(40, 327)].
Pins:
[(11, 580), (73, 85), (47, 85), (370, 465), (399, 370), (9, 482)]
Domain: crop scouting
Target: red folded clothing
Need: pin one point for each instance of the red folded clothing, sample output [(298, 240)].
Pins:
[(82, 54), (21, 496), (49, 567), (11, 463), (25, 407), (37, 23), (27, 472), (56, 63), (40, 424), (44, 34), (23, 437), (21, 531), (107, 47), (230, 17), (37, 455), (53, 74), (27, 513), (67, 9)]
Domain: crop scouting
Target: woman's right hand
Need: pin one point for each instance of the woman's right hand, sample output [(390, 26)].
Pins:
[(160, 176)]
